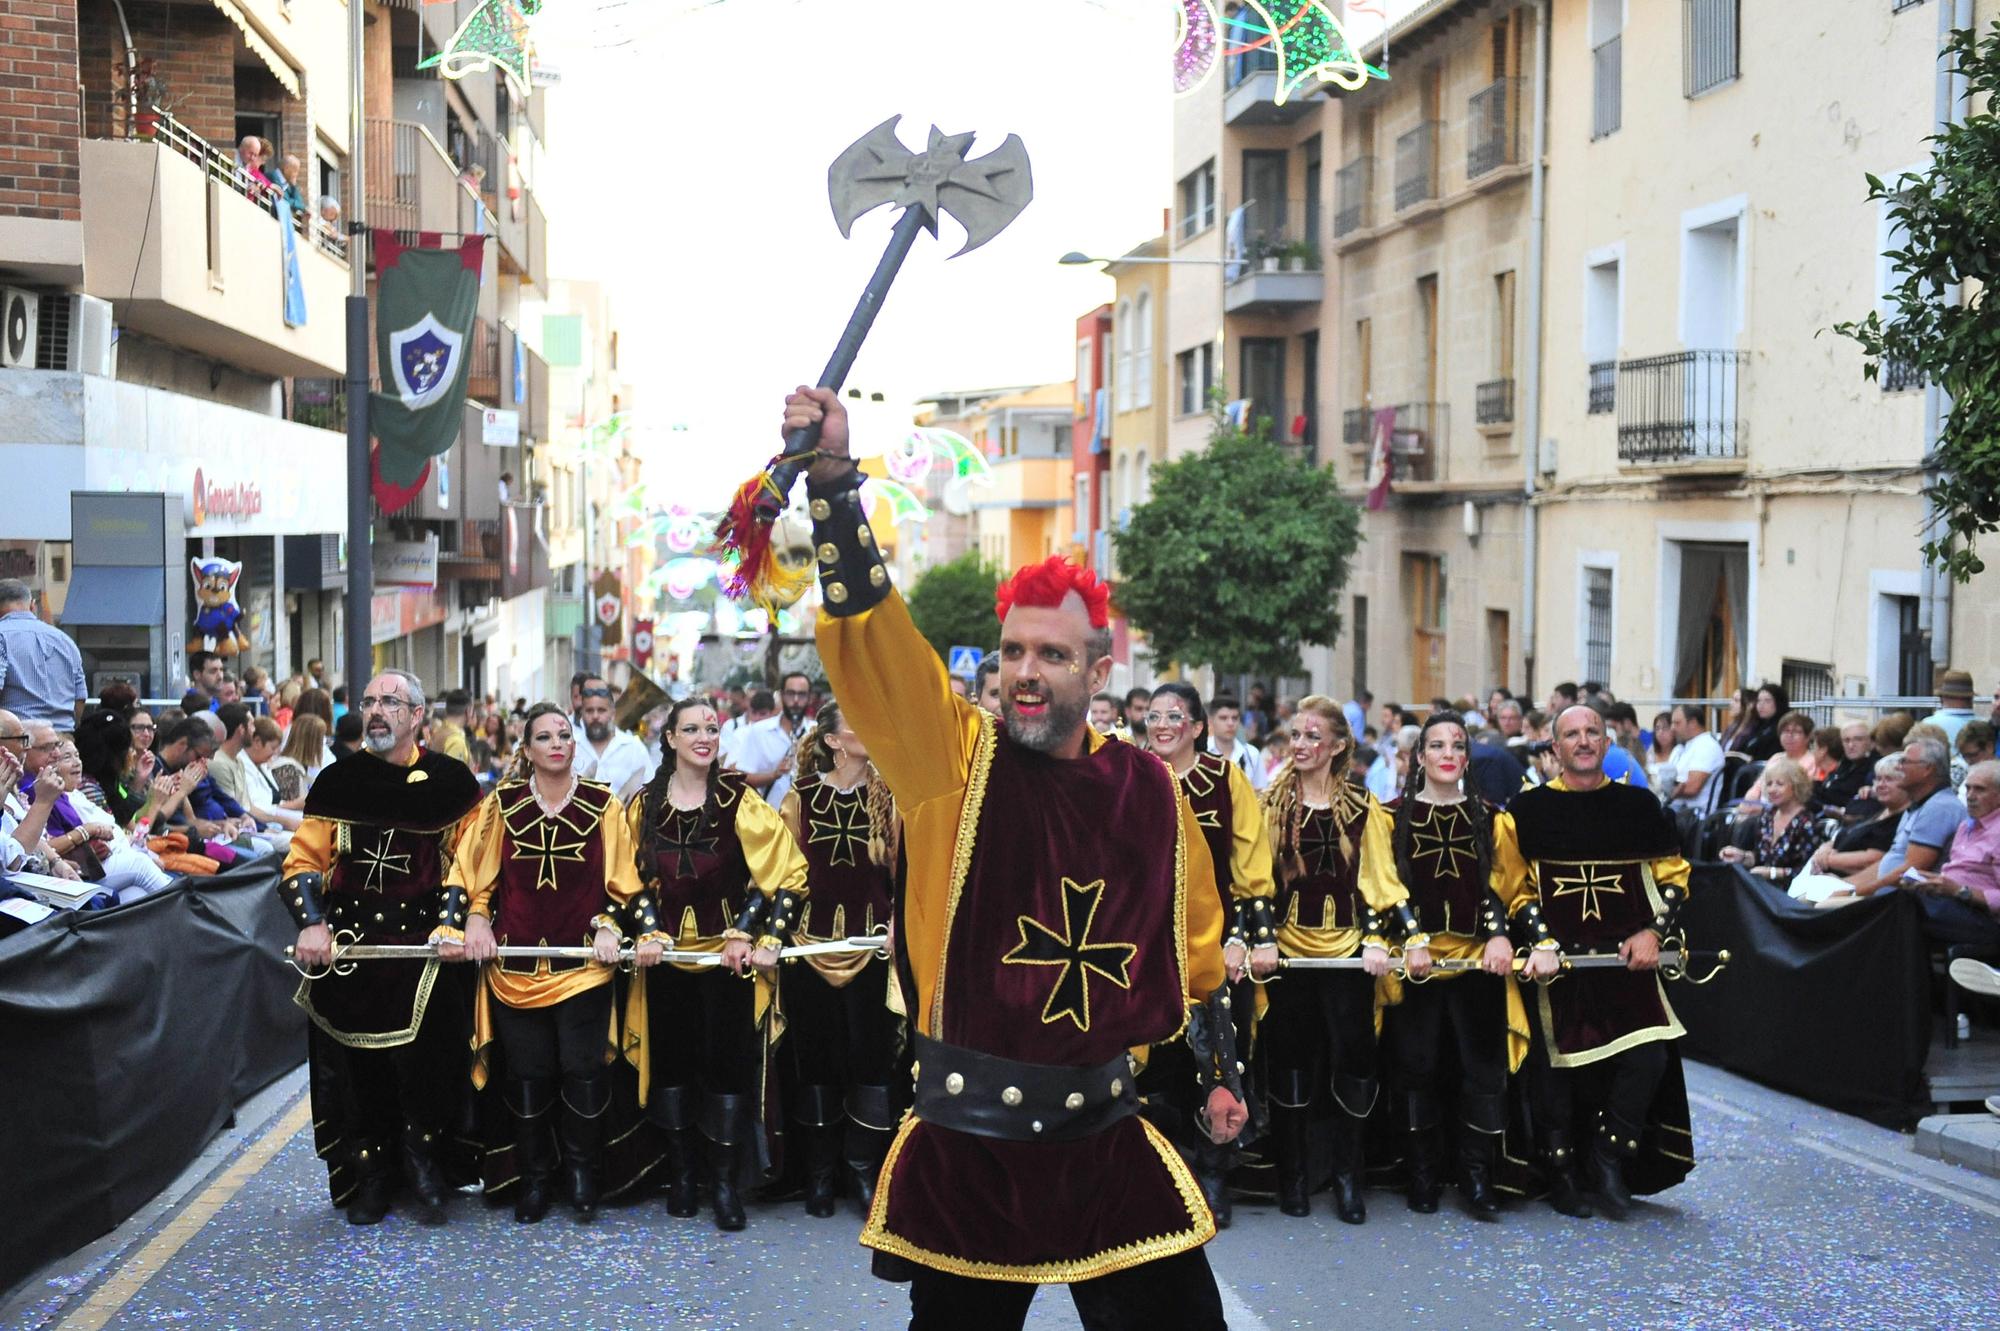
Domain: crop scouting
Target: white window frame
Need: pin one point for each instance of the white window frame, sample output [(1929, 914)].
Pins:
[(1142, 350), (1736, 208), (1604, 256), (1883, 584), (1121, 376), (1666, 591)]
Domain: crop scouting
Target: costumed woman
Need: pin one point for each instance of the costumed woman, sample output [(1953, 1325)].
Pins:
[(1320, 1026), (1232, 826), (546, 861), (1446, 849), (842, 1034), (724, 876)]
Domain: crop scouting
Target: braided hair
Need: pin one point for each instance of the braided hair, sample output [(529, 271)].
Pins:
[(1284, 801), (518, 767), (1475, 808), (655, 795), (817, 758)]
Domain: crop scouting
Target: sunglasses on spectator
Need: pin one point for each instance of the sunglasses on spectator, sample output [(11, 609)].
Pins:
[(597, 693)]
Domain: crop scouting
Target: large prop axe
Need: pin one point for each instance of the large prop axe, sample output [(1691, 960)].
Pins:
[(982, 195)]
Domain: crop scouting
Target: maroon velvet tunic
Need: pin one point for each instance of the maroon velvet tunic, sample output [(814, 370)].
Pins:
[(1206, 786), (1444, 881), (697, 866), (531, 905), (1064, 947), (850, 892), (1327, 895)]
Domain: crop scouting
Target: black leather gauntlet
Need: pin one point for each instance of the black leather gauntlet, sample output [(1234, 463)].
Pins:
[(1211, 1037), (852, 578), (301, 893)]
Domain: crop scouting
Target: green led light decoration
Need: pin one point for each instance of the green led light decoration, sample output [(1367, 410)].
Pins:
[(495, 34)]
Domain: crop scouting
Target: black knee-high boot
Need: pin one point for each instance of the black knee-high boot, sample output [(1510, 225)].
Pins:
[(420, 1169), (1483, 1120), (674, 1110), (871, 1125), (818, 1112), (530, 1102), (1354, 1099), (726, 1124), (1291, 1121), (584, 1101), (1421, 1108), (1615, 1142), (370, 1200)]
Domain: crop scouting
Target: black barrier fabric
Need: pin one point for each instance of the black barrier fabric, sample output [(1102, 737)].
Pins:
[(1832, 1005), (127, 1038)]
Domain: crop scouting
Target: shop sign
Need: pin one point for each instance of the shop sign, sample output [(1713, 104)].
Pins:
[(237, 501), (500, 427), (406, 563)]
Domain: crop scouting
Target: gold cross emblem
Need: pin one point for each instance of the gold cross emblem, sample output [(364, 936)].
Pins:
[(1073, 951), (843, 825), (1439, 840), (548, 850), (379, 861), (1591, 887)]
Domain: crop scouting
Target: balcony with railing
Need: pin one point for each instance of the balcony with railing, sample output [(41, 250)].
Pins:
[(1493, 402), (1417, 164), (1354, 197), (413, 184), (1607, 88), (1355, 424), (1603, 387), (1250, 95), (188, 245), (1682, 408), (1899, 376), (483, 367), (319, 402), (1493, 128), (1417, 439), (1275, 262)]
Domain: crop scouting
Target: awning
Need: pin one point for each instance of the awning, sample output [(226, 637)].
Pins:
[(280, 69), (124, 597)]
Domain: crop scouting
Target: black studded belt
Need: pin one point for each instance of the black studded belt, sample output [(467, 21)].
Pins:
[(989, 1096)]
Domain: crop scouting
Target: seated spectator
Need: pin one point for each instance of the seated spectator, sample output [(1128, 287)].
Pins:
[(1795, 732), (1975, 743), (1619, 764), (1927, 730), (90, 838), (1954, 690), (1739, 718), (24, 821), (205, 812), (1962, 898), (41, 670), (1758, 740), (346, 735), (260, 789), (104, 747), (288, 697), (329, 210), (315, 702), (1924, 832), (1659, 747), (1784, 828), (196, 701), (1860, 846), (1508, 718), (302, 758), (1692, 776), (1854, 763), (226, 767), (1891, 731)]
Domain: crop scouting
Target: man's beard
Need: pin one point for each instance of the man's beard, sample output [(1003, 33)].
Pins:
[(794, 715), (1044, 733), (597, 731), (379, 741)]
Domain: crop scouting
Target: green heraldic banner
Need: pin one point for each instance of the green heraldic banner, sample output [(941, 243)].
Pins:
[(425, 301)]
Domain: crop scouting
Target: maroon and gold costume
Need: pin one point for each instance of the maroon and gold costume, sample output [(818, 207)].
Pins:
[(1056, 914)]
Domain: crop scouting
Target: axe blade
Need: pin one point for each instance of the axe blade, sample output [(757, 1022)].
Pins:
[(983, 195), (870, 173), (985, 213)]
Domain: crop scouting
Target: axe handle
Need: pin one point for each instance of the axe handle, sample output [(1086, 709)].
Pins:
[(800, 442)]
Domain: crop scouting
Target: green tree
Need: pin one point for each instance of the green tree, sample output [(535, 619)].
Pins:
[(952, 605), (1239, 556), (1949, 224)]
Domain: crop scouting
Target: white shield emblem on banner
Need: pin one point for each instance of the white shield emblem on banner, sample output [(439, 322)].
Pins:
[(424, 361)]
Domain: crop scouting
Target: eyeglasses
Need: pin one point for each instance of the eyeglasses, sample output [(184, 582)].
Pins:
[(49, 747), (1167, 718), (390, 704), (597, 693), (145, 729), (21, 738)]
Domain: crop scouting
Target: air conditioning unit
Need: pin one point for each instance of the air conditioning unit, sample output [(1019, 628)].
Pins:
[(76, 335), (20, 318)]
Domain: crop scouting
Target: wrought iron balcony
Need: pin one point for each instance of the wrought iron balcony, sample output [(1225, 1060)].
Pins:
[(1607, 92), (1899, 376), (1417, 164), (1353, 196), (1683, 407), (1494, 404), (1417, 434), (1354, 425), (1603, 387), (1493, 128)]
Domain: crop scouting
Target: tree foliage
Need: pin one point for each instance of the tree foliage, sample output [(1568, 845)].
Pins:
[(1949, 222), (1239, 556), (952, 605)]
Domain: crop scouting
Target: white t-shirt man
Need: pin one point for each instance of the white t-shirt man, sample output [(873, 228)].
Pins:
[(766, 744), (1701, 754), (624, 764)]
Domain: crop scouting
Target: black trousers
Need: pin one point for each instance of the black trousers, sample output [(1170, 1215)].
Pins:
[(704, 1030), (844, 1036), (1322, 1024), (566, 1039), (1624, 1085), (415, 1083), (1471, 1011), (1175, 1293)]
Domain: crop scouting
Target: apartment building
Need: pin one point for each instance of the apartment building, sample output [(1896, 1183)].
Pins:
[(1026, 513), (1722, 497)]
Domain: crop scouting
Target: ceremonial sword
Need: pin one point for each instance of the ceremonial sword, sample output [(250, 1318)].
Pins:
[(1673, 964), (346, 955)]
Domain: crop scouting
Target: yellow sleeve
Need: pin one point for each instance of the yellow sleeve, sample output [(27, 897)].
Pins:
[(1672, 871), (1249, 841), (1510, 879), (312, 848), (793, 815), (475, 862), (1204, 922), (892, 690), (1381, 886), (621, 867), (776, 863)]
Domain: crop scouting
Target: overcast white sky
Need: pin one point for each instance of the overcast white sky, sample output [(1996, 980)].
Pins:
[(686, 169)]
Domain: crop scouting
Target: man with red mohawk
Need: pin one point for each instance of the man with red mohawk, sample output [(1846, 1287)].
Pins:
[(1059, 910)]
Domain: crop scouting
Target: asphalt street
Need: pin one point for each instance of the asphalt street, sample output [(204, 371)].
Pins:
[(1795, 1217)]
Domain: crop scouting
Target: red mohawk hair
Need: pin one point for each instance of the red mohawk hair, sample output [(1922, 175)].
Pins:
[(1047, 583)]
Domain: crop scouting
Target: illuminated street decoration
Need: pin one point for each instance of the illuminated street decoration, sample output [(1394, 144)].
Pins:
[(495, 35), (1309, 42)]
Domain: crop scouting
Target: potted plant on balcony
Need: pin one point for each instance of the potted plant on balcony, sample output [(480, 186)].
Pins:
[(1302, 256), (149, 96), (1270, 257)]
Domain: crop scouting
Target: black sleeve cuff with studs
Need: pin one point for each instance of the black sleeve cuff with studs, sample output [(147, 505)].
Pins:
[(301, 894), (641, 915), (1492, 918), (1255, 923), (1211, 1038), (452, 910), (851, 575), (1530, 929), (1672, 898)]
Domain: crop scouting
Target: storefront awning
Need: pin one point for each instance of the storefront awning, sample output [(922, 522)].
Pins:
[(124, 597), (280, 69)]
